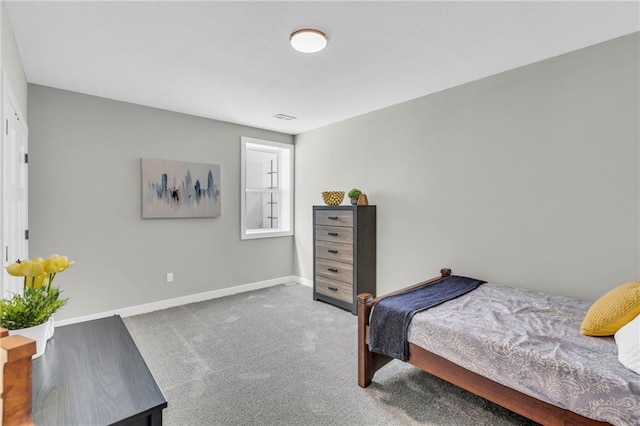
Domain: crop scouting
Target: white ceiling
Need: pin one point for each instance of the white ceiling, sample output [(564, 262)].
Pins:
[(232, 60)]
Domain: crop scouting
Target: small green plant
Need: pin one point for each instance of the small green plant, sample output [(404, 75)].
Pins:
[(354, 193), (32, 308)]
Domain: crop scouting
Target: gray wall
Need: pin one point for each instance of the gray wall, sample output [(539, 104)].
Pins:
[(528, 178), (84, 202)]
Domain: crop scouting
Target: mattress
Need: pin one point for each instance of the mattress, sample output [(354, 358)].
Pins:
[(530, 341)]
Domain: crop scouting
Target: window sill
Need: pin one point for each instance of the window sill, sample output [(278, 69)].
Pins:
[(265, 233)]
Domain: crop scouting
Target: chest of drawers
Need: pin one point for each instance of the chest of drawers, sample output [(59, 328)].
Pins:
[(344, 253)]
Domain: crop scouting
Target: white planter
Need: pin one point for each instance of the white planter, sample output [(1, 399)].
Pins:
[(37, 333), (50, 329)]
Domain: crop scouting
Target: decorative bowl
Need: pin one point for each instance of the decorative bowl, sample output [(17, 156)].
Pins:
[(333, 198)]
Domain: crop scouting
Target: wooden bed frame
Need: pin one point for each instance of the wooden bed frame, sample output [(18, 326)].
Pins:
[(525, 405)]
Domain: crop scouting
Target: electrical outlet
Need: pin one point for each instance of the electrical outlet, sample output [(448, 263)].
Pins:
[(169, 277)]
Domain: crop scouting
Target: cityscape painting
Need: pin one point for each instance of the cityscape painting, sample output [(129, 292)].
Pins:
[(180, 189)]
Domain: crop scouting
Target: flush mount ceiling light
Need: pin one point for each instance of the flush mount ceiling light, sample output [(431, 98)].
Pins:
[(308, 40)]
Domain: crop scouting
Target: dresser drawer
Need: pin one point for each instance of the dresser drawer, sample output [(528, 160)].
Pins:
[(336, 289), (332, 250), (334, 233), (335, 270), (334, 218)]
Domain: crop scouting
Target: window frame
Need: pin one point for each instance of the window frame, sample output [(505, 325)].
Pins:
[(286, 186)]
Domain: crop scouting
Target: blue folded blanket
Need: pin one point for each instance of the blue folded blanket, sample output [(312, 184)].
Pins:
[(391, 316)]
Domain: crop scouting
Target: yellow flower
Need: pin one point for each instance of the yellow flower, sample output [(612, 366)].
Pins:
[(56, 263), (32, 268), (15, 269), (36, 282), (38, 272), (40, 281)]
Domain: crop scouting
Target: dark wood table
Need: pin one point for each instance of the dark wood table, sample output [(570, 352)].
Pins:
[(93, 374)]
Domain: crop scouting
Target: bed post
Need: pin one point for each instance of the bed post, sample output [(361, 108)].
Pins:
[(365, 373), (368, 362)]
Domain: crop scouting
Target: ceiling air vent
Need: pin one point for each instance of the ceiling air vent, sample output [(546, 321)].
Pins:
[(284, 117)]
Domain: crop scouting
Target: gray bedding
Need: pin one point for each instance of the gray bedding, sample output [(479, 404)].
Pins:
[(392, 315), (531, 342)]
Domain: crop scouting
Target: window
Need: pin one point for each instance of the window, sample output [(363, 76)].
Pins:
[(267, 189)]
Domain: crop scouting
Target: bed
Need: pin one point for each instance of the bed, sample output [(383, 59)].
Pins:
[(460, 341)]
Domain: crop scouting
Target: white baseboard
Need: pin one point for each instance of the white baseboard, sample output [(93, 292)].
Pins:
[(183, 300), (304, 281)]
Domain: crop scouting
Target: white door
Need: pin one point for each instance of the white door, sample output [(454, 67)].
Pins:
[(14, 190)]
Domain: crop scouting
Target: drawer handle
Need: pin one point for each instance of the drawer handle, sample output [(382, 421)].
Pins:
[(333, 251), (333, 234), (333, 288), (332, 269), (333, 217)]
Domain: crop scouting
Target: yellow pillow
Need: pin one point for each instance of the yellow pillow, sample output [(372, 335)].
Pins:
[(612, 311)]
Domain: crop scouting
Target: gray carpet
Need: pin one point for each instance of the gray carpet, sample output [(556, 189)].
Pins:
[(276, 357)]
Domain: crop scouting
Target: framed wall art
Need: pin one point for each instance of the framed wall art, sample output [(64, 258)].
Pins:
[(172, 189)]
